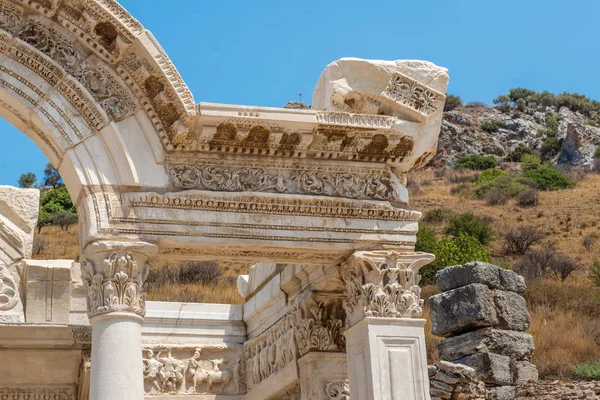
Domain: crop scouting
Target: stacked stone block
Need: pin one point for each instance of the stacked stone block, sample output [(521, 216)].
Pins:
[(483, 316), (454, 381)]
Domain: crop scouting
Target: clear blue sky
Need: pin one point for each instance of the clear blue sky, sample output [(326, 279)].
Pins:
[(267, 52)]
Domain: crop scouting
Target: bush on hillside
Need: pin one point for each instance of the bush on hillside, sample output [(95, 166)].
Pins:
[(594, 274), (517, 154), (597, 153), (496, 197), (452, 102), (588, 371), (509, 184), (476, 162), (489, 175), (528, 198), (426, 239), (437, 216), (545, 177), (551, 146), (552, 122), (491, 125), (63, 219), (472, 225), (573, 101), (517, 240), (546, 263)]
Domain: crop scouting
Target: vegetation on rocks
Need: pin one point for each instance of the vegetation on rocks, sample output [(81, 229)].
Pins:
[(476, 162)]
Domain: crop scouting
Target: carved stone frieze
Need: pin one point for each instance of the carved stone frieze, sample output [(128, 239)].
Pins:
[(82, 335), (383, 284), (295, 393), (36, 392), (206, 369), (410, 93), (9, 293), (114, 274), (337, 390), (378, 187)]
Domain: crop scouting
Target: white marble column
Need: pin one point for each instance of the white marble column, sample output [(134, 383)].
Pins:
[(385, 339), (114, 273)]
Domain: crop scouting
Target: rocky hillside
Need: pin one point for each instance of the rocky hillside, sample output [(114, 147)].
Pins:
[(558, 134)]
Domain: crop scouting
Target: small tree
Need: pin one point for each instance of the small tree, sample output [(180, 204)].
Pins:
[(27, 180), (517, 240), (44, 219), (452, 102), (472, 225), (52, 177), (64, 219)]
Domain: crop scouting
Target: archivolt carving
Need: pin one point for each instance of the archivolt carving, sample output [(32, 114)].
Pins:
[(214, 369), (117, 286), (383, 284), (297, 182), (9, 293)]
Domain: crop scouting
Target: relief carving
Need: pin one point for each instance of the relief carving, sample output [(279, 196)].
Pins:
[(337, 390), (383, 284), (27, 393), (354, 186), (410, 93), (9, 293), (200, 373)]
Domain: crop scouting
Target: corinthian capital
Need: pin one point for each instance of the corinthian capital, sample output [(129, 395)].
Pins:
[(114, 273), (383, 284)]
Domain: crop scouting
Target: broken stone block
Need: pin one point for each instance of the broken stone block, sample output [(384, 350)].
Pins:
[(525, 372), (502, 393), (511, 310), (492, 368), (490, 275), (517, 345), (462, 310)]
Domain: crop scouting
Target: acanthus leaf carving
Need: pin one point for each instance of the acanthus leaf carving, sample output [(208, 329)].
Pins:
[(337, 390), (383, 284), (412, 94)]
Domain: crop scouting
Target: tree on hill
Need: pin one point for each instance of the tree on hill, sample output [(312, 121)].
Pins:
[(27, 180), (52, 177)]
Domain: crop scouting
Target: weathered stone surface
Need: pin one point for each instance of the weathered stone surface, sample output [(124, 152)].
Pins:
[(462, 310), (48, 295), (501, 393), (492, 368), (19, 210), (525, 372), (458, 118), (511, 310), (490, 275), (517, 345), (456, 381)]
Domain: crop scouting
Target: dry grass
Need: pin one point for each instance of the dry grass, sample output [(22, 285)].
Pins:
[(58, 244), (196, 293)]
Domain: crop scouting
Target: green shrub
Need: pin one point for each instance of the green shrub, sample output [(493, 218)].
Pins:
[(476, 162), (53, 204), (589, 371), (517, 154), (545, 177), (552, 122), (551, 146), (452, 102), (491, 125), (426, 240), (489, 175), (508, 183), (472, 225), (437, 215), (597, 153)]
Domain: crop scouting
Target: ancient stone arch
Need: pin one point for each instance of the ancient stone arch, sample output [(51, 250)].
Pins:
[(153, 174)]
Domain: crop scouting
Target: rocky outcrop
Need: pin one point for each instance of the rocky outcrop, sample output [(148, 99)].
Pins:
[(462, 134), (483, 316)]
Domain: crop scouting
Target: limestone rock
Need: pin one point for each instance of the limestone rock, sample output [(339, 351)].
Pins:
[(517, 345), (462, 310), (490, 275), (492, 368), (458, 118), (19, 210), (511, 310), (525, 372), (502, 393)]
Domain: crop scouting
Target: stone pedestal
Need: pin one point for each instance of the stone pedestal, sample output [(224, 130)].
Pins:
[(387, 359), (324, 376), (385, 338), (114, 273)]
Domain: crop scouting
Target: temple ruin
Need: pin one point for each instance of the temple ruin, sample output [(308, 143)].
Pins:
[(316, 198)]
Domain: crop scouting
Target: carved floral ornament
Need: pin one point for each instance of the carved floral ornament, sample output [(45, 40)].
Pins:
[(383, 284), (231, 179), (9, 295), (337, 390), (115, 283)]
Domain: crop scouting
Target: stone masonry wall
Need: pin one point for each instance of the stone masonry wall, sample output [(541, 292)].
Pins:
[(454, 381), (483, 316)]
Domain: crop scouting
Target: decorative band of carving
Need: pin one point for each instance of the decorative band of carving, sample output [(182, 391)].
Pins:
[(114, 276), (337, 390), (356, 120), (347, 185), (26, 393), (383, 284), (412, 94)]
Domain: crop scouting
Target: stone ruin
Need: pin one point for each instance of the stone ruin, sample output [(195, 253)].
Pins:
[(315, 197), (483, 317)]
